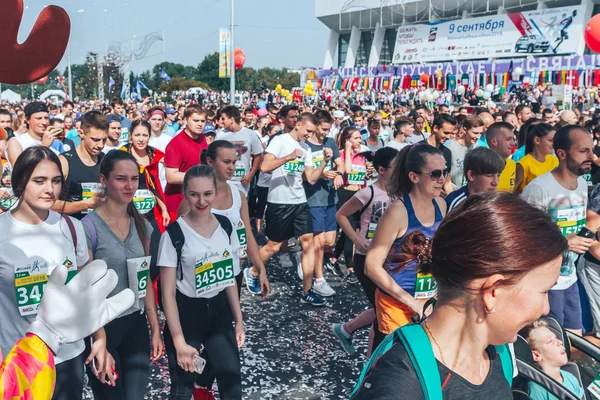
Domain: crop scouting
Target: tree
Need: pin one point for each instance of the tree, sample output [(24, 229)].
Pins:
[(85, 78)]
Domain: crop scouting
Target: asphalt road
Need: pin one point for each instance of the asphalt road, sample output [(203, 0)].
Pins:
[(290, 352)]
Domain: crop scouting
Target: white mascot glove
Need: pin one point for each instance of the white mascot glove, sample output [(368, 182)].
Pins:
[(71, 312)]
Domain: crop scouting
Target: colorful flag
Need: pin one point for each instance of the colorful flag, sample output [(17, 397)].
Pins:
[(224, 52), (164, 76)]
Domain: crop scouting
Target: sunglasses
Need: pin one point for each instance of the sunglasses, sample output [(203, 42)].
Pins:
[(436, 174)]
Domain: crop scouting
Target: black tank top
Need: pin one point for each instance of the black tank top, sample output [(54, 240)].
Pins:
[(79, 173)]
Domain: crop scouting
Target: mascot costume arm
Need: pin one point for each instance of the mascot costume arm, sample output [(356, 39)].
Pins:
[(68, 313)]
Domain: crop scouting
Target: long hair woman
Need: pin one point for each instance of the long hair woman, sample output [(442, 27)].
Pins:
[(34, 241), (119, 235), (417, 180), (539, 156), (490, 286)]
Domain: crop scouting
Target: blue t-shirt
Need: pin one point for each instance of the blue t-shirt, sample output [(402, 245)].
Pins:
[(322, 193), (481, 142), (520, 153), (456, 197), (536, 392)]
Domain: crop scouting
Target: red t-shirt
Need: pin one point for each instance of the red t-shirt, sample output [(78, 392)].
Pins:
[(182, 153)]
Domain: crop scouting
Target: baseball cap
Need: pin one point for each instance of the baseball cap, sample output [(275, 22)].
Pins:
[(170, 110), (338, 114), (35, 107), (209, 128), (113, 118)]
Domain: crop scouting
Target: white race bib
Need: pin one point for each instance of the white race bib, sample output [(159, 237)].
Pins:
[(31, 280), (138, 272), (357, 175), (214, 272), (144, 200)]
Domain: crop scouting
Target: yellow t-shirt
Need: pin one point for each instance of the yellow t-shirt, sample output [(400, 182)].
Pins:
[(507, 178), (532, 168)]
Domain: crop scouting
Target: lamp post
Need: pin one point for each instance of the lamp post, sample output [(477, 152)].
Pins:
[(232, 57)]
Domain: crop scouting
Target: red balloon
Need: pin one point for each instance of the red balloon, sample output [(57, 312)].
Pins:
[(239, 58), (592, 34), (424, 78), (43, 80)]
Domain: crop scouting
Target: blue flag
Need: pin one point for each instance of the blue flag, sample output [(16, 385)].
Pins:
[(165, 76), (140, 84), (111, 84), (124, 91)]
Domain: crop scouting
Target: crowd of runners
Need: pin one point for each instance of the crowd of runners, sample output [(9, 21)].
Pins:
[(188, 203)]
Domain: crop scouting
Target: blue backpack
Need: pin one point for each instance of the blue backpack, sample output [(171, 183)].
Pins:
[(419, 350)]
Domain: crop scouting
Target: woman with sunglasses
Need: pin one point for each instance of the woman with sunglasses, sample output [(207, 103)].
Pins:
[(370, 203), (417, 179)]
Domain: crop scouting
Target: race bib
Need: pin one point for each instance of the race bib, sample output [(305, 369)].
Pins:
[(138, 272), (124, 135), (241, 235), (594, 387), (570, 220), (214, 273), (31, 280), (88, 189), (144, 201), (318, 159), (425, 286), (240, 170), (357, 175), (294, 167), (371, 230), (7, 199), (588, 178)]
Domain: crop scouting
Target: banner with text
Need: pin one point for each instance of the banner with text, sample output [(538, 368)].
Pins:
[(538, 32), (531, 65), (224, 52)]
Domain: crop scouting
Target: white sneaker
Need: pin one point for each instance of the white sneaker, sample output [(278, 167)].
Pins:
[(323, 289), (285, 260)]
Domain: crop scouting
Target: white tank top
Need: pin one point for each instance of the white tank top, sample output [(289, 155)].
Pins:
[(26, 141), (234, 213)]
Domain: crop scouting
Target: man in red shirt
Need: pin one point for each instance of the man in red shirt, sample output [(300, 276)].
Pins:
[(182, 153)]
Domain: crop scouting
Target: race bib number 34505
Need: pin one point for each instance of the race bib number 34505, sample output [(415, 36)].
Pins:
[(214, 273)]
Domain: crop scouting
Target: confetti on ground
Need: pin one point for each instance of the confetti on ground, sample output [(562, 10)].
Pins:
[(290, 352)]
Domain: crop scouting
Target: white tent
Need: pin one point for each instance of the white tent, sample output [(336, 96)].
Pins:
[(10, 96)]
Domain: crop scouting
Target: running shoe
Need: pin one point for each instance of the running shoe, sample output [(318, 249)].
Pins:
[(201, 393), (345, 340), (252, 282), (285, 260), (323, 289), (313, 299), (333, 268), (351, 278)]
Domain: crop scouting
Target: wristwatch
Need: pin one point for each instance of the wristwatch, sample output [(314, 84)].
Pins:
[(339, 173)]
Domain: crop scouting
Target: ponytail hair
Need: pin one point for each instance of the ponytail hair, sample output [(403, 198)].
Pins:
[(213, 150), (416, 247), (140, 226), (411, 159)]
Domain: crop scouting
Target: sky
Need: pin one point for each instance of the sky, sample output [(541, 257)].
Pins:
[(273, 33)]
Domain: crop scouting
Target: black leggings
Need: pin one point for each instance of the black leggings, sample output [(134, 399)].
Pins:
[(69, 379), (206, 322), (366, 282), (207, 377), (344, 244), (128, 341)]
